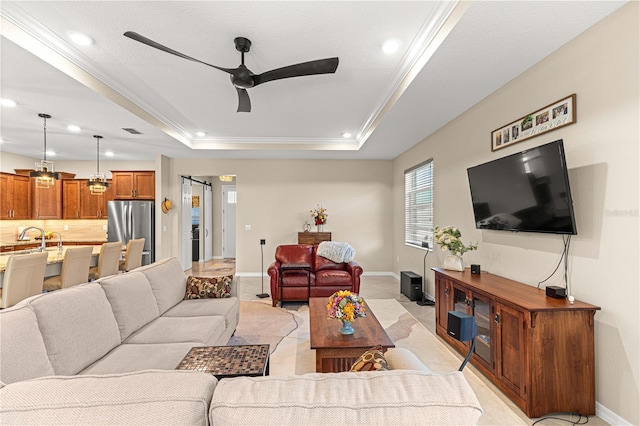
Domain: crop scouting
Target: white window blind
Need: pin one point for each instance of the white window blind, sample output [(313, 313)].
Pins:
[(418, 204)]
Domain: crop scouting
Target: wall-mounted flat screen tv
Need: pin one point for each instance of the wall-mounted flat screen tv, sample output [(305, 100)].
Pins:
[(528, 191)]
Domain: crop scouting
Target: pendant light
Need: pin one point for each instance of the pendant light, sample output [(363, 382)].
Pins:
[(44, 174), (97, 183)]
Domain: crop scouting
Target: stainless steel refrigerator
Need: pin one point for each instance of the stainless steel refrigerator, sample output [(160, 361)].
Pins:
[(129, 220)]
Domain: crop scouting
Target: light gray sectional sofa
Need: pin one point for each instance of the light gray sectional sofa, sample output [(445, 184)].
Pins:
[(104, 353)]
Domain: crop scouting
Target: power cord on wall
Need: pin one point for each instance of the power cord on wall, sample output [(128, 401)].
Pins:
[(424, 301), (565, 256)]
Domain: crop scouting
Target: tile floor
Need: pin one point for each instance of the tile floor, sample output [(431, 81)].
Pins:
[(388, 287)]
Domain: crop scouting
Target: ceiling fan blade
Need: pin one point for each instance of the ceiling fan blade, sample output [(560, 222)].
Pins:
[(319, 66), (244, 103), (142, 39)]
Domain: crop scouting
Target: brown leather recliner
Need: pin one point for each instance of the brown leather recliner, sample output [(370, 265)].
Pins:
[(326, 276)]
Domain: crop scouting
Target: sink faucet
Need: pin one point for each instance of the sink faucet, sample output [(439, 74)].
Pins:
[(59, 241), (44, 243)]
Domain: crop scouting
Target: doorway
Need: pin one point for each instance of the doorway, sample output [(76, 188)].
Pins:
[(229, 199)]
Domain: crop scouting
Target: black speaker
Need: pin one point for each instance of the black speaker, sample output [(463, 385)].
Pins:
[(460, 326), (556, 292), (411, 285), (475, 269)]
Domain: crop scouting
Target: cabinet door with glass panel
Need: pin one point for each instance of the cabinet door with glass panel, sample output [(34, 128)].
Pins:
[(481, 308)]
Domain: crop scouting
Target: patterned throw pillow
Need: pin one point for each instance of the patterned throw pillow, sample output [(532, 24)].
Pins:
[(208, 288), (371, 360)]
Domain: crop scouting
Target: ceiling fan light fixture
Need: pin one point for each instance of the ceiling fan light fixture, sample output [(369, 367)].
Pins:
[(97, 183), (44, 173)]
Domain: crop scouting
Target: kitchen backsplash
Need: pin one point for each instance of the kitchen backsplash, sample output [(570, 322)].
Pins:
[(81, 230)]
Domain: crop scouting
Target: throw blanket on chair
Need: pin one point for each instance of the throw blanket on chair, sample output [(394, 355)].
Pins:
[(336, 251)]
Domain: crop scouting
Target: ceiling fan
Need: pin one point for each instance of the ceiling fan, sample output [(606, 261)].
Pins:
[(241, 77)]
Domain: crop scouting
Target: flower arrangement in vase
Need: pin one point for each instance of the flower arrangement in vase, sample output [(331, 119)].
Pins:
[(450, 239), (319, 215), (346, 307)]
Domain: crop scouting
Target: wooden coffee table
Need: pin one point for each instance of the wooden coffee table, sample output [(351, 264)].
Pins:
[(228, 361), (337, 352)]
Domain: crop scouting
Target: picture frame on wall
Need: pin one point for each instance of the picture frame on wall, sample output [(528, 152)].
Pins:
[(554, 116)]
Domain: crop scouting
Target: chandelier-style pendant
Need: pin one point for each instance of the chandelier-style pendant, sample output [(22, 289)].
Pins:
[(98, 183), (45, 175)]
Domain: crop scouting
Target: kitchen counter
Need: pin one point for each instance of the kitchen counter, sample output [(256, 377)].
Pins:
[(17, 243), (54, 261)]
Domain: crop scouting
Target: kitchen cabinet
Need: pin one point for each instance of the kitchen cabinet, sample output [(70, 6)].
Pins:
[(134, 185), (538, 350), (15, 196), (46, 203), (71, 198), (80, 203)]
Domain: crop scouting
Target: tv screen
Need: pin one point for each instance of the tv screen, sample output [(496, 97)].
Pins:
[(528, 191)]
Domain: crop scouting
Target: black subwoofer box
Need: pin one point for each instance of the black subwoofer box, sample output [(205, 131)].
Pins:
[(411, 285)]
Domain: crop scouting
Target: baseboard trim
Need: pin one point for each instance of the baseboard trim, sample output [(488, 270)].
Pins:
[(609, 416)]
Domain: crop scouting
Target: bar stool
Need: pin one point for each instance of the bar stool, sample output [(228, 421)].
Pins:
[(75, 269), (133, 255), (23, 278), (108, 261)]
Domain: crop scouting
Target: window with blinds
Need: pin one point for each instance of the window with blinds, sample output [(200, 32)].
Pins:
[(418, 204)]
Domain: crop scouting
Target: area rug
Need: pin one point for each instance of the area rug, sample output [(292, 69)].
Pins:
[(287, 332), (221, 267)]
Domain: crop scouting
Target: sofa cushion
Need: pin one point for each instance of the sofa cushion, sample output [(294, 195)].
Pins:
[(375, 397), (295, 253), (145, 397), (371, 360), (167, 280), (322, 263), (23, 354), (77, 326), (205, 330), (229, 308), (333, 277), (132, 301), (129, 357), (208, 287), (404, 359)]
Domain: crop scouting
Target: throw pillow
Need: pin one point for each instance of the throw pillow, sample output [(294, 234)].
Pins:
[(371, 360), (208, 287)]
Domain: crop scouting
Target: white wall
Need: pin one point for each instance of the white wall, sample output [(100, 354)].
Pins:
[(10, 161), (275, 196), (602, 149)]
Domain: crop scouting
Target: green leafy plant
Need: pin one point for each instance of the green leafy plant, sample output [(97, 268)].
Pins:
[(450, 238)]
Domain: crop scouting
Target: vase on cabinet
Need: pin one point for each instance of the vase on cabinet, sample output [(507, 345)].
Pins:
[(346, 328), (453, 262)]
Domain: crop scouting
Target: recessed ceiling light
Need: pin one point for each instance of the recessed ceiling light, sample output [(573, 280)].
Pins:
[(391, 46), (346, 135), (201, 134), (8, 102), (73, 128), (80, 39), (51, 153), (108, 154)]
